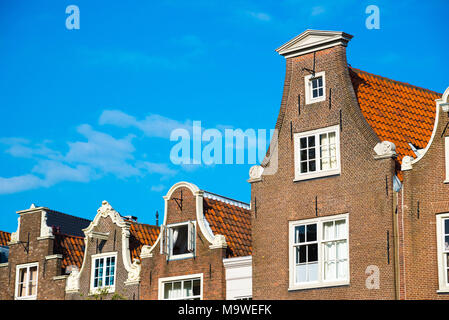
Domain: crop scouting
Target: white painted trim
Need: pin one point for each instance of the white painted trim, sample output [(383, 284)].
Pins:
[(238, 275), (446, 153), (176, 278), (54, 256), (94, 257), (63, 277), (443, 283), (323, 39), (4, 264), (200, 218), (316, 174), (16, 285), (439, 103), (172, 257), (308, 88), (320, 283)]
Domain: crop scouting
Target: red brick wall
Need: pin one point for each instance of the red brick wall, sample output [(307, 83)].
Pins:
[(424, 183), (106, 225), (360, 189), (48, 289), (207, 261)]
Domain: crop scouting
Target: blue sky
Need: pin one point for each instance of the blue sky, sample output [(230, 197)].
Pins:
[(86, 114)]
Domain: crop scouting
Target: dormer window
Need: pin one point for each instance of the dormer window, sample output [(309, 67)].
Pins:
[(178, 240), (315, 86)]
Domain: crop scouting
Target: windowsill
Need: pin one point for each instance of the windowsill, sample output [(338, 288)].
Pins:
[(318, 285), (99, 290), (181, 257), (314, 175), (446, 181), (443, 291), (312, 101), (26, 298)]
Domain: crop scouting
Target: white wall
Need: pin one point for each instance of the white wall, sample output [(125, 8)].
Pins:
[(239, 282)]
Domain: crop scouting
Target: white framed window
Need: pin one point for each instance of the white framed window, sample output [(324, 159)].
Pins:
[(315, 87), (26, 281), (443, 251), (317, 153), (319, 252), (446, 146), (103, 272), (178, 240), (188, 287)]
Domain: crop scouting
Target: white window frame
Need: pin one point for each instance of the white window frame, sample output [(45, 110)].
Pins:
[(163, 281), (94, 257), (318, 172), (167, 240), (443, 281), (446, 148), (308, 87), (26, 266), (320, 283)]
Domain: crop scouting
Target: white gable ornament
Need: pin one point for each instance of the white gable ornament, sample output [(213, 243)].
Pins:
[(255, 174), (406, 163), (385, 149)]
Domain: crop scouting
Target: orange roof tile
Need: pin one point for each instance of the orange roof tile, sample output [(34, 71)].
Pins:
[(398, 112), (140, 235), (232, 221), (5, 237), (71, 248)]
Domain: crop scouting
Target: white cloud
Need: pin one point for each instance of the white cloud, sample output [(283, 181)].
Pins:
[(261, 16), (153, 125), (157, 188), (318, 10), (103, 152), (19, 183), (159, 168)]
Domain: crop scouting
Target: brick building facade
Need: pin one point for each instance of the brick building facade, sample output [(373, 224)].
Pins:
[(349, 203)]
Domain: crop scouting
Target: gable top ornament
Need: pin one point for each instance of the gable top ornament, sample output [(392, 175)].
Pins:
[(313, 40)]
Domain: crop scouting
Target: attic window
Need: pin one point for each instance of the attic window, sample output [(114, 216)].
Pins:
[(178, 240), (315, 86)]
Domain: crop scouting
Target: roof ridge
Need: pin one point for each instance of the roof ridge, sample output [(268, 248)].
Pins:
[(67, 235), (396, 81), (146, 224), (215, 196)]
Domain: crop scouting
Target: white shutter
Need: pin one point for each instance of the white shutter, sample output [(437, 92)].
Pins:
[(192, 235)]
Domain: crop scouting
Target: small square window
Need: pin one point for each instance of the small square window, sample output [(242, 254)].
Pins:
[(103, 271), (315, 86), (181, 289), (26, 281)]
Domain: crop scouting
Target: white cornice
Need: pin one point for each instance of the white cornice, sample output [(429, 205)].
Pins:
[(313, 40)]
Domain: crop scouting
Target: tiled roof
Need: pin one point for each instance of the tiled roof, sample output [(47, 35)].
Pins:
[(231, 219), (398, 112), (140, 235), (71, 248), (5, 237)]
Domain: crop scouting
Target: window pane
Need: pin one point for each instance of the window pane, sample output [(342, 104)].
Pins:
[(342, 250), (330, 270), (342, 267), (312, 166), (311, 232), (300, 235), (329, 251), (328, 230), (167, 290), (446, 226), (320, 92), (304, 167), (320, 82), (340, 229), (312, 273), (311, 153), (312, 252), (311, 140), (301, 273), (301, 254), (446, 243), (196, 287), (176, 291), (303, 154), (303, 143), (187, 288), (180, 236)]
